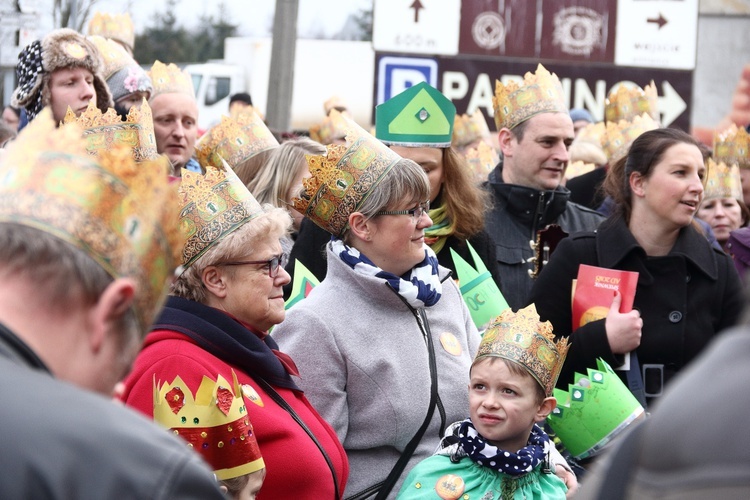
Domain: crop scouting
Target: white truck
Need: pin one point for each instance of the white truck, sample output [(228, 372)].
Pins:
[(322, 69)]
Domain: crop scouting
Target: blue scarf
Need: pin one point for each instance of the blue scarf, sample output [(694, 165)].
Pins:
[(420, 286)]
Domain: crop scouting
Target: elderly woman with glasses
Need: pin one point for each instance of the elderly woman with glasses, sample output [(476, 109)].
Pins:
[(217, 321), (385, 342)]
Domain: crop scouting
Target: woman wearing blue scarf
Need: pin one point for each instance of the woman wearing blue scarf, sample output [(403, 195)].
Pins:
[(384, 343)]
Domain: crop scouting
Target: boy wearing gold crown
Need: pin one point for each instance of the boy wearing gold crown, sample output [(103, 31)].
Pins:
[(500, 453)]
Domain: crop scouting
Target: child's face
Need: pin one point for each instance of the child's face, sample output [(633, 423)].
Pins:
[(504, 406), (252, 488)]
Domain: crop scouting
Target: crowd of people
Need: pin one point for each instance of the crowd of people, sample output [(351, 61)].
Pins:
[(149, 349)]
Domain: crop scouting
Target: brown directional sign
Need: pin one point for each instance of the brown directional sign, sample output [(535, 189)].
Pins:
[(578, 30), (498, 28)]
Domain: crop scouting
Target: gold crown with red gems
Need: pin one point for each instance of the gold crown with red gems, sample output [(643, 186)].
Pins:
[(628, 102), (540, 92), (522, 338), (103, 130), (732, 146), (342, 179), (121, 213), (214, 422)]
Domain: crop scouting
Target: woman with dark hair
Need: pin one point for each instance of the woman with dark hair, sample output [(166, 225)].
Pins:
[(687, 290)]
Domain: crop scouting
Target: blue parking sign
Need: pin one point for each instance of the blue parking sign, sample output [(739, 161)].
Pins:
[(396, 74)]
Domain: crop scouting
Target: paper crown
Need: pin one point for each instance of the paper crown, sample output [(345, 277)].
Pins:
[(104, 130), (420, 116), (722, 181), (540, 92), (628, 102), (169, 79), (334, 102), (213, 206), (481, 161), (732, 146), (235, 140), (522, 338), (122, 214), (214, 423), (302, 284), (594, 410), (621, 135), (594, 133), (577, 168), (467, 129), (115, 26), (479, 290), (332, 128), (113, 55), (342, 179)]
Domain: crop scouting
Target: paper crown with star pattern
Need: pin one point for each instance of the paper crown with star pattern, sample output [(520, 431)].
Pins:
[(118, 27), (469, 128), (169, 79), (214, 205), (722, 181), (104, 130), (520, 337), (342, 179), (420, 116), (122, 214), (732, 146), (628, 102), (620, 135), (595, 409), (235, 140), (540, 92), (214, 423)]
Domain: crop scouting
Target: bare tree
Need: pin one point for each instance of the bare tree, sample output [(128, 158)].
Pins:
[(62, 11)]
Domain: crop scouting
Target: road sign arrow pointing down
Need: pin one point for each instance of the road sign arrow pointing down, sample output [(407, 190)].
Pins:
[(670, 104), (659, 20)]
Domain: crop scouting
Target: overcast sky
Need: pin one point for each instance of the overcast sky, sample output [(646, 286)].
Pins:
[(254, 17)]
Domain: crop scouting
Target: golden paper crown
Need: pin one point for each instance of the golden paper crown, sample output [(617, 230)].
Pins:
[(722, 181), (329, 130), (122, 214), (235, 140), (467, 129), (213, 206), (732, 146), (481, 160), (594, 133), (102, 131), (214, 423), (342, 179), (115, 26), (169, 79), (540, 92), (113, 55), (334, 102), (626, 103), (522, 338), (621, 135), (577, 168)]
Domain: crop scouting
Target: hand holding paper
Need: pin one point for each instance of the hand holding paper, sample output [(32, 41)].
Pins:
[(623, 329)]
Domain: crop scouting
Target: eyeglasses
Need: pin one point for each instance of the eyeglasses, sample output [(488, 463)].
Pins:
[(272, 265), (416, 212)]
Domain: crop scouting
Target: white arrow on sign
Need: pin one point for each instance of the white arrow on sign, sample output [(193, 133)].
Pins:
[(671, 105)]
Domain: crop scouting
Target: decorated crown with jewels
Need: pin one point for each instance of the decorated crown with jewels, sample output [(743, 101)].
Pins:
[(103, 130), (169, 79), (620, 135), (213, 206), (540, 92), (235, 140), (594, 410), (732, 146), (520, 337), (214, 423), (115, 26), (122, 214), (341, 180), (722, 181), (469, 128), (628, 102), (329, 130)]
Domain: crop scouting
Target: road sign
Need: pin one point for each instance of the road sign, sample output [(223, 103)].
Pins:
[(396, 74), (416, 26), (657, 33)]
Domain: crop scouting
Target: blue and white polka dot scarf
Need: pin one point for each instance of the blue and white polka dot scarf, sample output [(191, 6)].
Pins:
[(514, 464), (420, 287)]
